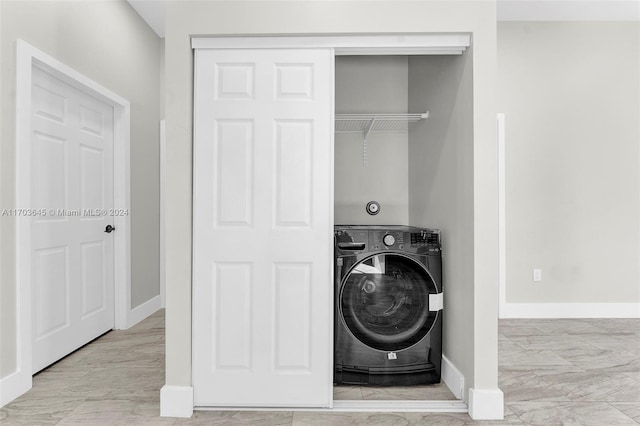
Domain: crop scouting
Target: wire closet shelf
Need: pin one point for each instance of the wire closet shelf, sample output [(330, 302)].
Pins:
[(376, 123), (366, 123)]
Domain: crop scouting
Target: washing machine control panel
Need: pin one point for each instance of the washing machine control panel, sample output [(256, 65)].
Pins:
[(387, 239), (426, 240), (355, 239)]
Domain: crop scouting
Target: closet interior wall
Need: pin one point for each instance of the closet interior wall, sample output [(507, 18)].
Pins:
[(440, 168), (421, 178), (371, 84)]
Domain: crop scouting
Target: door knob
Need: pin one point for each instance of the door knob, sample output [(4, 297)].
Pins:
[(109, 229)]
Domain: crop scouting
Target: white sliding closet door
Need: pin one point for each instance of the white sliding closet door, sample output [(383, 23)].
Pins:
[(263, 212)]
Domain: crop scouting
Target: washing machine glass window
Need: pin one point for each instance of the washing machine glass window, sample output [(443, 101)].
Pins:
[(384, 301)]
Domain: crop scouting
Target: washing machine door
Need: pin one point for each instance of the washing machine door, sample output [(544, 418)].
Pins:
[(384, 301)]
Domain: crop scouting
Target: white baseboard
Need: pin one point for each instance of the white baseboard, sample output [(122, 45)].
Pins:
[(453, 378), (570, 310), (141, 312), (14, 385), (176, 401), (486, 404)]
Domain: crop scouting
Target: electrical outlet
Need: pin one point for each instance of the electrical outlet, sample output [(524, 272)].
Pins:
[(537, 275)]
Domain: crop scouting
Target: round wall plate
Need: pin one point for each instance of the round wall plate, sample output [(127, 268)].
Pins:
[(373, 207)]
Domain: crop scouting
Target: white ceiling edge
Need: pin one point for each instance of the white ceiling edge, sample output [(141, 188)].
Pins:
[(153, 12), (568, 10)]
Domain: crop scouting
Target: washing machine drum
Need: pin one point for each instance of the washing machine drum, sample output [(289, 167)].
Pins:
[(384, 301)]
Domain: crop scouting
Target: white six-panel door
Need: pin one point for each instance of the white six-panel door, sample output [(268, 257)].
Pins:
[(263, 212), (72, 190)]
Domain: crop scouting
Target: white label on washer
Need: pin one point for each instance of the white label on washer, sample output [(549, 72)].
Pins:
[(392, 355), (436, 302)]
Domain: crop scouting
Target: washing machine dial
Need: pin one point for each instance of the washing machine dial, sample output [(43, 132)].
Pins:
[(389, 240)]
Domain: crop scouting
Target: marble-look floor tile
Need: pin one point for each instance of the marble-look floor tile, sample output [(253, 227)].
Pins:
[(631, 409), (449, 419), (602, 359), (523, 360), (611, 340), (595, 386), (616, 324), (565, 326), (208, 418), (505, 343), (509, 418), (511, 328), (78, 360), (393, 419), (303, 418), (120, 382), (56, 381), (39, 410), (635, 375), (115, 412), (119, 361), (380, 419), (266, 418), (347, 392), (153, 322), (111, 351), (550, 369), (570, 413), (454, 419), (434, 392), (141, 420), (553, 342), (527, 386)]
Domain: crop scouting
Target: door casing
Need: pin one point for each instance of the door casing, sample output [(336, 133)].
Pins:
[(28, 57), (388, 44)]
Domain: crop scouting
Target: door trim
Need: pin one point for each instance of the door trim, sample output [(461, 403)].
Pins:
[(502, 241), (28, 57), (163, 226), (341, 44)]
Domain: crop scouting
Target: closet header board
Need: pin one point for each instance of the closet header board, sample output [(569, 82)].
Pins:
[(388, 44)]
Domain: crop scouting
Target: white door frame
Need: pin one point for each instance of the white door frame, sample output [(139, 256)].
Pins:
[(27, 57), (163, 233), (177, 401), (502, 241)]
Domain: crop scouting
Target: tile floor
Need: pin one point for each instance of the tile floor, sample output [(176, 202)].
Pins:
[(552, 372), (437, 392)]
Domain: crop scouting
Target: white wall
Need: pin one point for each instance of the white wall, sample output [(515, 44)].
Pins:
[(108, 42), (185, 18), (570, 91), (441, 182), (371, 84), (162, 88)]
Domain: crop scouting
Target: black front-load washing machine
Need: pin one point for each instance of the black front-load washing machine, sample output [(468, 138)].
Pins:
[(388, 305)]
